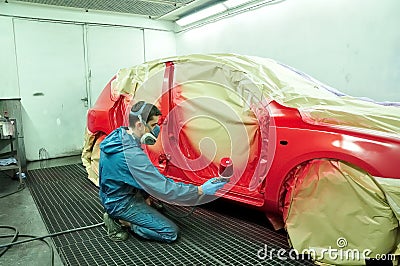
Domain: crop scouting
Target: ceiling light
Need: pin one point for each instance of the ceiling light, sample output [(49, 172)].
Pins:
[(204, 13), (234, 3)]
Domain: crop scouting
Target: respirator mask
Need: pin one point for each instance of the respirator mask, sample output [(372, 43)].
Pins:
[(150, 138), (147, 138)]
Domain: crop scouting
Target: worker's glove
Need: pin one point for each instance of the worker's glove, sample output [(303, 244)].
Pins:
[(212, 185)]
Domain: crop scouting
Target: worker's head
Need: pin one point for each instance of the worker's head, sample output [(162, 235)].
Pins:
[(143, 120)]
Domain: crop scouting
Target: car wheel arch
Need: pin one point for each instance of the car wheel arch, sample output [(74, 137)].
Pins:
[(287, 170)]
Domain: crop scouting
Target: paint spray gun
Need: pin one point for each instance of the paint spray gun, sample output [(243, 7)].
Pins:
[(225, 170)]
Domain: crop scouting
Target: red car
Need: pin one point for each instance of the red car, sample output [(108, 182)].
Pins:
[(322, 164)]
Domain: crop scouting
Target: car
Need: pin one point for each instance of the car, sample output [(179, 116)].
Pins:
[(322, 164)]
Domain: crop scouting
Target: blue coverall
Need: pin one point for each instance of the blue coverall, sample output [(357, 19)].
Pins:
[(125, 172)]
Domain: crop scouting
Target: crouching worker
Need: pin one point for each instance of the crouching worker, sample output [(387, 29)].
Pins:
[(126, 172)]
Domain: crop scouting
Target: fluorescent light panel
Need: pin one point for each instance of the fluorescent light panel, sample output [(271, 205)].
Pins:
[(202, 14), (234, 3)]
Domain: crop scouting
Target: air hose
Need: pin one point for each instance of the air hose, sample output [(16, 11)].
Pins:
[(16, 235)]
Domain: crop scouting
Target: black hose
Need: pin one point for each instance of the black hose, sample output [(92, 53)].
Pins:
[(192, 210), (50, 235), (15, 237), (40, 238), (31, 236), (185, 215)]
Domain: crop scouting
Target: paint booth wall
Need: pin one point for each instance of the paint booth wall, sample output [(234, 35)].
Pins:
[(59, 60), (350, 45)]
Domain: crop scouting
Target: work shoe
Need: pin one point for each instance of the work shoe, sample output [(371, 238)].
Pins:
[(114, 229)]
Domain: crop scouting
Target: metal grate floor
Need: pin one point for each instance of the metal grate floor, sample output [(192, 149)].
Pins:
[(213, 235)]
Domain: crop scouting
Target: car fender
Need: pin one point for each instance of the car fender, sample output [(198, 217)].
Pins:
[(297, 146)]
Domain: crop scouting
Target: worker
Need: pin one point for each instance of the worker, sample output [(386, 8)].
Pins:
[(127, 177)]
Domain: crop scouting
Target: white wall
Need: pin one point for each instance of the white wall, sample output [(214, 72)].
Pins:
[(51, 70), (350, 45), (110, 49), (159, 44), (53, 57), (8, 66)]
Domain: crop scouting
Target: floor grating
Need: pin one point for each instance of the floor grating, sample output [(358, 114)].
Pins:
[(212, 235)]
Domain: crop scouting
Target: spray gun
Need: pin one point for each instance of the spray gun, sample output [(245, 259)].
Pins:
[(225, 170)]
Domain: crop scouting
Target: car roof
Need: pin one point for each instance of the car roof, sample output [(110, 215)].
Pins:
[(317, 103)]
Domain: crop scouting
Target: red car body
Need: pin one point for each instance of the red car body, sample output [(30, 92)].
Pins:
[(295, 143)]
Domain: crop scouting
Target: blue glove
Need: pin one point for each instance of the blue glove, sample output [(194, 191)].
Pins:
[(210, 186)]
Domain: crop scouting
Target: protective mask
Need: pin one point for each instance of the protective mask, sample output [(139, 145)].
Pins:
[(150, 138), (156, 131)]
